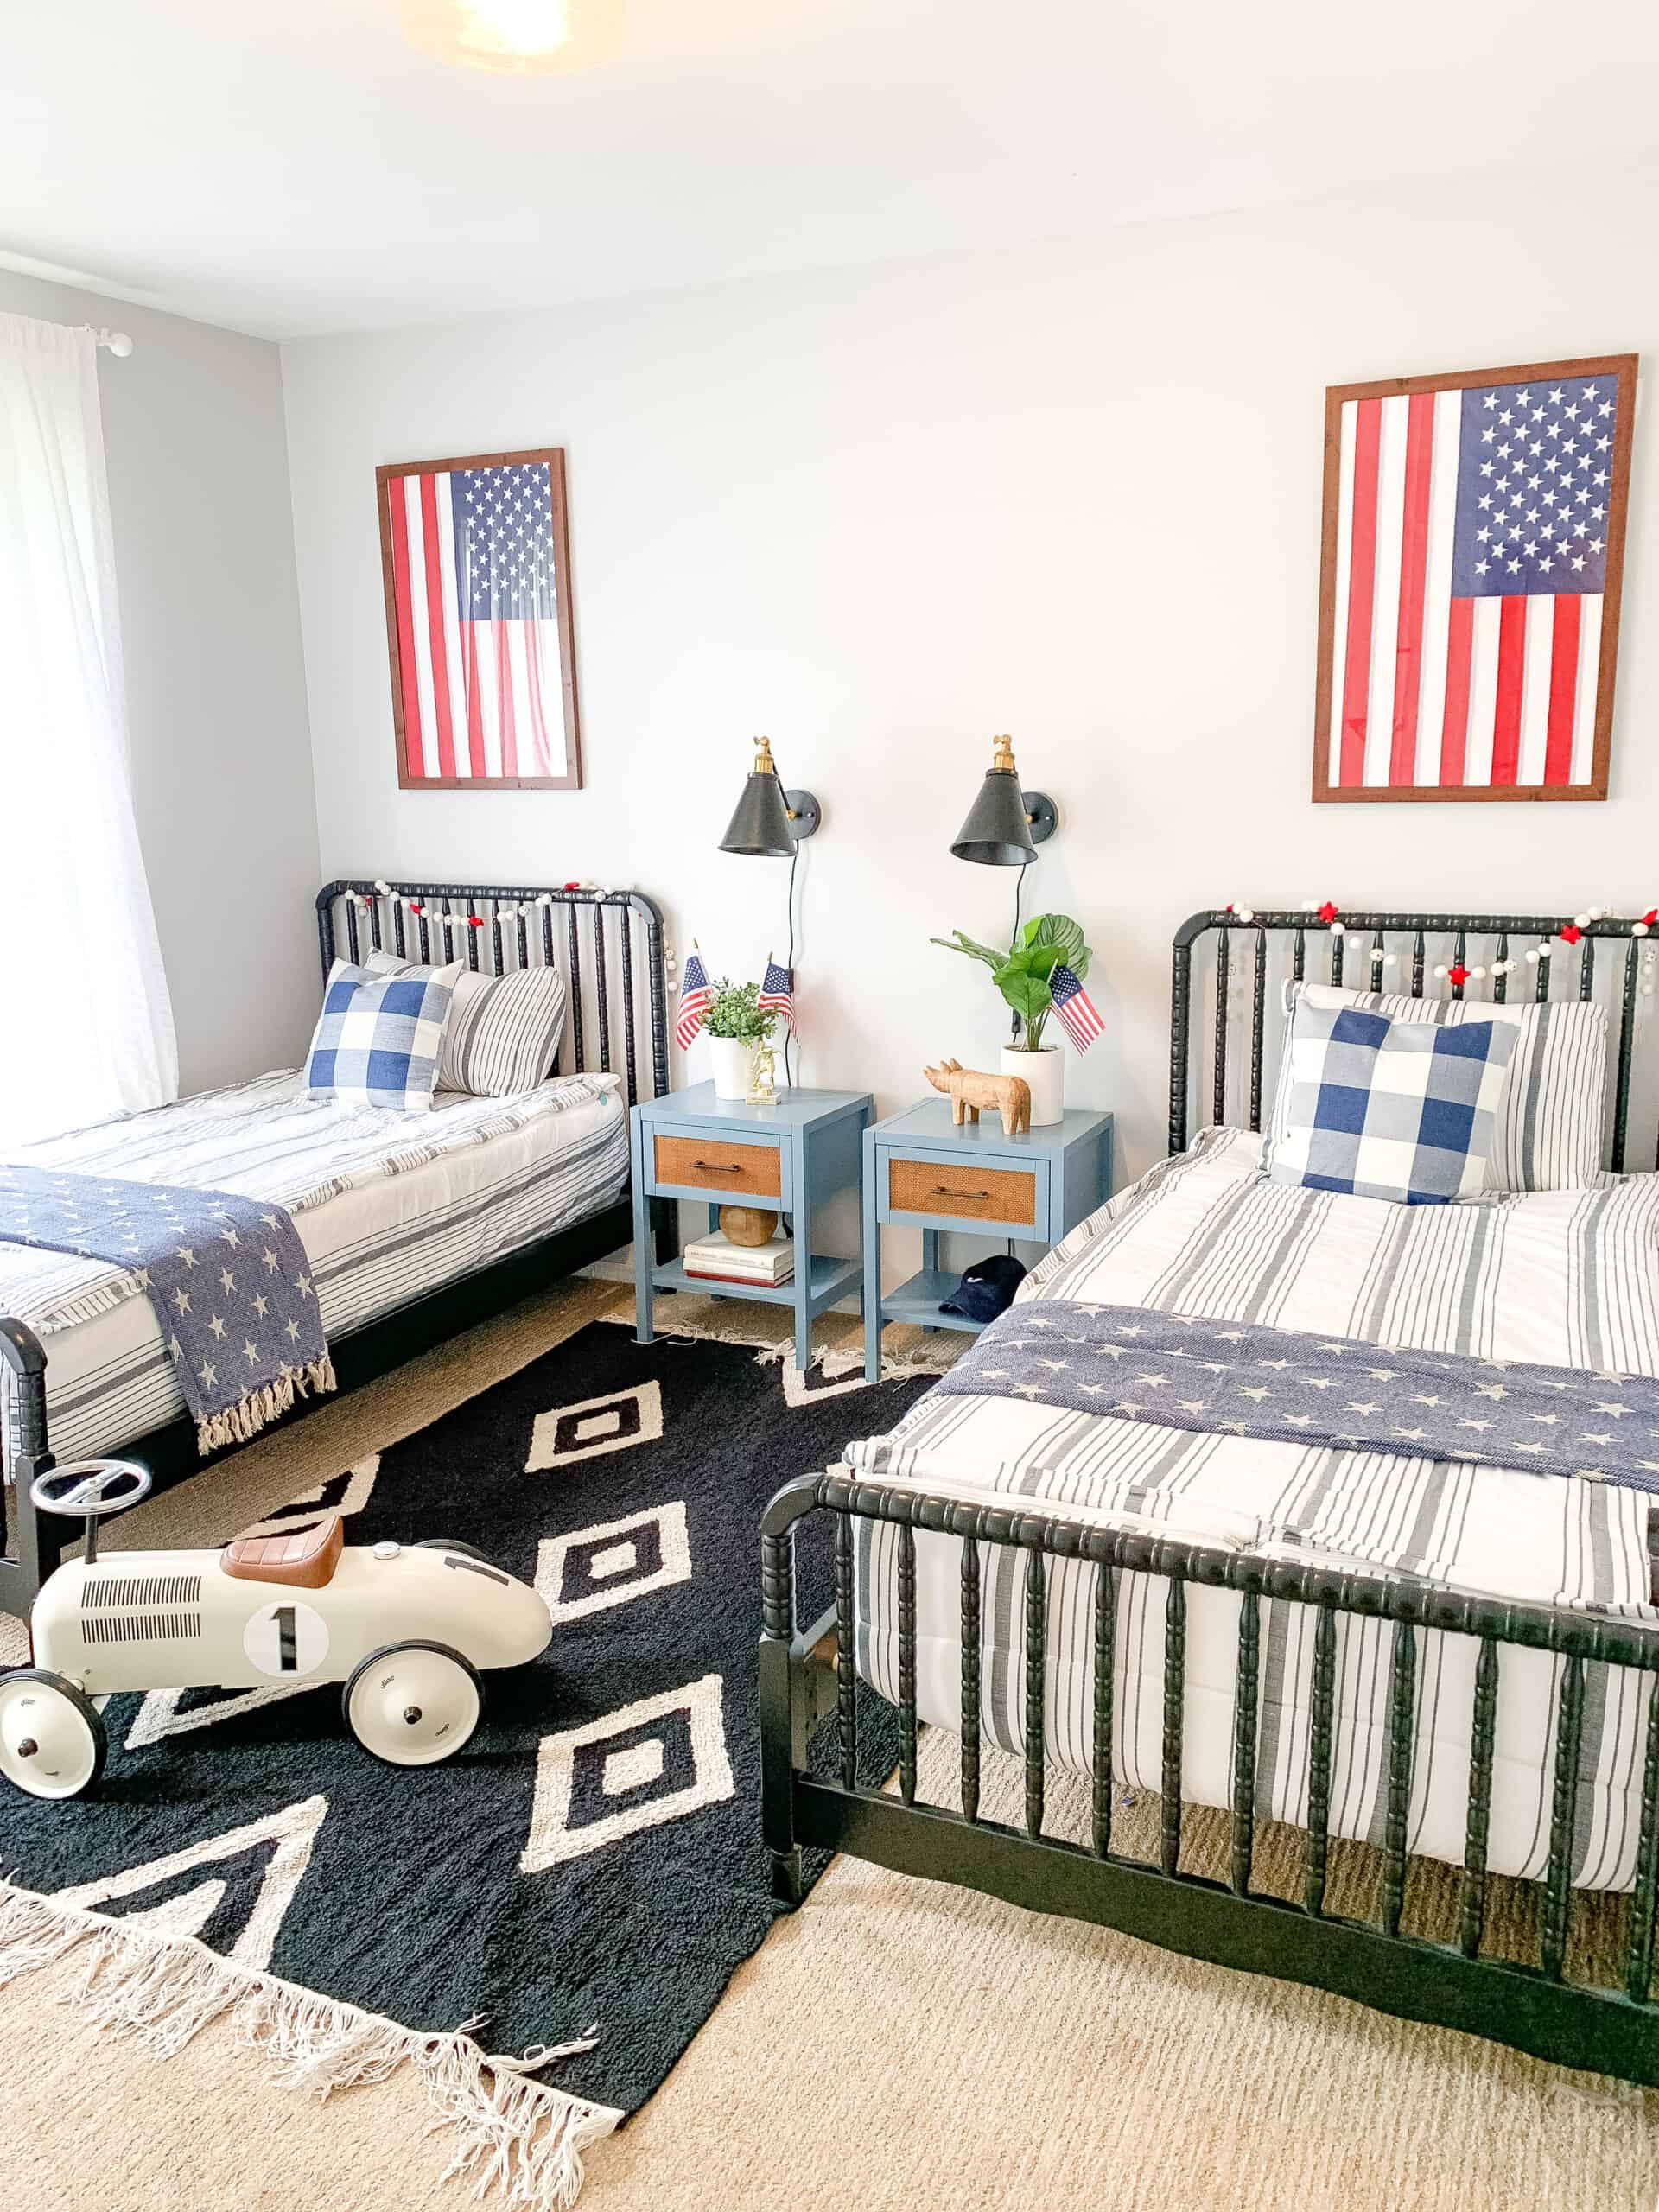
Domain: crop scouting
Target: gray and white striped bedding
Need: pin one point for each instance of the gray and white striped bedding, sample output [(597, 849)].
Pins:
[(503, 1031), (387, 1209), (1565, 1278)]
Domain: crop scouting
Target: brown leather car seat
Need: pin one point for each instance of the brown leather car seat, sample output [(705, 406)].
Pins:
[(305, 1560)]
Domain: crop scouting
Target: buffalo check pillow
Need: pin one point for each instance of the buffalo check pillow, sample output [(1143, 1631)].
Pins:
[(1552, 1117), (1402, 1110), (378, 1037), (503, 1033)]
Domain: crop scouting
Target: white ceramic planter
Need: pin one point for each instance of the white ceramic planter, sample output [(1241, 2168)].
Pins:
[(731, 1062), (1044, 1072)]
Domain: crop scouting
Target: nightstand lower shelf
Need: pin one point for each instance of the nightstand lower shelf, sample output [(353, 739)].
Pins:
[(827, 1278), (917, 1300)]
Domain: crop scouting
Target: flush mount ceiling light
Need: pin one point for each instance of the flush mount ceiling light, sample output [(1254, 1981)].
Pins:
[(524, 38)]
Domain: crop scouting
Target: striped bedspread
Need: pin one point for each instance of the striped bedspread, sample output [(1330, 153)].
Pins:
[(1562, 1279), (387, 1206)]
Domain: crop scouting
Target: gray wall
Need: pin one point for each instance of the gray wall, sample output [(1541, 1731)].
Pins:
[(221, 757)]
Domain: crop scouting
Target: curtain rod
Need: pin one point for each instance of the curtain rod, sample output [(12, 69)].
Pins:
[(112, 341)]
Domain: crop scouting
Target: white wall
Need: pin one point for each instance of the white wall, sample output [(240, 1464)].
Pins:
[(199, 498), (881, 516)]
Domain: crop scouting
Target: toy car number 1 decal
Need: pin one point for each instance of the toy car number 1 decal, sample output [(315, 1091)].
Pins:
[(287, 1638)]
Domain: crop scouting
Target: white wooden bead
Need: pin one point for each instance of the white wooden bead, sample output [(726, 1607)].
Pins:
[(1598, 914), (1533, 956), (1647, 990), (1638, 929), (1245, 913), (1339, 929), (1582, 921), (1440, 972), (1476, 975)]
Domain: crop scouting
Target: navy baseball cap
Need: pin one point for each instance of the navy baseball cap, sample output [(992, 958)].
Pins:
[(986, 1289)]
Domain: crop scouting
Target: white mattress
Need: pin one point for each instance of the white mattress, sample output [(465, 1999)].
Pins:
[(1568, 1278), (387, 1205)]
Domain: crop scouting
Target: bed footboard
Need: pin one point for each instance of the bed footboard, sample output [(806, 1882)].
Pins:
[(808, 1673), (34, 1546)]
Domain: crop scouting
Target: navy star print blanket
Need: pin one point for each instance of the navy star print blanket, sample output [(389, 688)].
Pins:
[(227, 1277), (1232, 1378)]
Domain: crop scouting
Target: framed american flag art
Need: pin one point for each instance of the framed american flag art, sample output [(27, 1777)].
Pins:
[(1469, 593), (475, 560)]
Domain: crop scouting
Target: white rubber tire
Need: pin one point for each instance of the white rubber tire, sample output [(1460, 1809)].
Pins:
[(52, 1741), (413, 1704)]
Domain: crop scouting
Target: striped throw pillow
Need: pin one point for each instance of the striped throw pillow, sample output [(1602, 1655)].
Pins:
[(377, 1038), (1552, 1118), (503, 1031)]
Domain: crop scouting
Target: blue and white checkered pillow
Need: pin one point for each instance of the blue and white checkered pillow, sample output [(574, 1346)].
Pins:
[(377, 1039), (1402, 1110)]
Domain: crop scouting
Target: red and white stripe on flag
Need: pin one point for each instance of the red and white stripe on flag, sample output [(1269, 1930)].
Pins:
[(1444, 674), (477, 661)]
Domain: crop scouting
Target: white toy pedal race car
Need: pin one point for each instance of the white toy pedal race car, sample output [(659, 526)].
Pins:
[(405, 1628)]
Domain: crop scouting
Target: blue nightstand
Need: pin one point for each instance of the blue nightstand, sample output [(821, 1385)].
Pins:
[(920, 1168), (792, 1158)]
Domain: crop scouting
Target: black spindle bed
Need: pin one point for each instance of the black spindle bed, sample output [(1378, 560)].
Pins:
[(808, 1673), (621, 935)]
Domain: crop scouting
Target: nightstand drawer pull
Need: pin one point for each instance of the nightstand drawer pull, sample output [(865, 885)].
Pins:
[(1005, 1195), (756, 1170)]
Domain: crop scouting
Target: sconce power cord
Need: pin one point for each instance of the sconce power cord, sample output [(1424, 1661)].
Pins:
[(789, 961)]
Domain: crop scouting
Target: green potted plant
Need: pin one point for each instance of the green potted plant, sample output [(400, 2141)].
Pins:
[(735, 1028), (1021, 974)]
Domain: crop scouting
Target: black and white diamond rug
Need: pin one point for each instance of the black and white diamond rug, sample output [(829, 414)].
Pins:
[(589, 1867)]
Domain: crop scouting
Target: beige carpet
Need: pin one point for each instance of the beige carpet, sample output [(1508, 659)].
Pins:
[(895, 2043)]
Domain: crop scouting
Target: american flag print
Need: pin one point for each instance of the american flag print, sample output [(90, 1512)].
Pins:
[(476, 567), (778, 991), (695, 992), (1074, 1008), (1469, 608)]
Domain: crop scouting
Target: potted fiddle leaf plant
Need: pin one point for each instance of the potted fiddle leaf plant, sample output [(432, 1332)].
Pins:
[(1021, 974), (735, 1027)]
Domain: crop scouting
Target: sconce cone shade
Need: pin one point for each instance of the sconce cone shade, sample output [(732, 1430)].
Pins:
[(769, 820), (1005, 825)]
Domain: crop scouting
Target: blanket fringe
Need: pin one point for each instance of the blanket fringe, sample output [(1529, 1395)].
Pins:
[(269, 1402), (508, 2134)]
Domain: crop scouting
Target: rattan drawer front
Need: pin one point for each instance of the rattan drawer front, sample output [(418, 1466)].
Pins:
[(714, 1163), (964, 1192)]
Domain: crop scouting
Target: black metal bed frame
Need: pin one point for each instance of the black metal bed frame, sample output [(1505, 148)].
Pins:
[(506, 916), (809, 1673)]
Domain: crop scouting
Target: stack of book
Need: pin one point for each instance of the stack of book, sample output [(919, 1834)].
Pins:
[(716, 1261)]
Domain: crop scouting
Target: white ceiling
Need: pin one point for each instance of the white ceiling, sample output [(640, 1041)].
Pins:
[(296, 167)]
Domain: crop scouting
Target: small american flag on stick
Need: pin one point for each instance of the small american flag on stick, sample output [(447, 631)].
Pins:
[(695, 994), (1074, 1006), (776, 991)]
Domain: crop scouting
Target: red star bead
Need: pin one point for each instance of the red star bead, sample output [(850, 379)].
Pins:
[(1571, 934), (1329, 912), (1459, 975), (1651, 916)]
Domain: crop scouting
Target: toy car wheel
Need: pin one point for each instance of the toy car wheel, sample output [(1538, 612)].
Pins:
[(52, 1741), (453, 1544), (413, 1704)]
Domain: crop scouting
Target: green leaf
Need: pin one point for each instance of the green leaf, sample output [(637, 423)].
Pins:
[(1064, 935), (958, 943), (1027, 993)]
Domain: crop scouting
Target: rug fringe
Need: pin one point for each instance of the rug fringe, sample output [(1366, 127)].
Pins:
[(510, 2133)]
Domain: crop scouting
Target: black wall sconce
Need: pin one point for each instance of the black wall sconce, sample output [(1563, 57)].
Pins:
[(770, 822), (1005, 825)]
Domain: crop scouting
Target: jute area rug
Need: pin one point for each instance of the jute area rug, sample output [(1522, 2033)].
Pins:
[(896, 2042)]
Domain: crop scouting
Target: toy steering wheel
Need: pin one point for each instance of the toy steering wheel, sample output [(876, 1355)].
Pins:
[(93, 1489)]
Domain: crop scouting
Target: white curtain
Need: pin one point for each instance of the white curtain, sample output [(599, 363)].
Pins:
[(85, 1027)]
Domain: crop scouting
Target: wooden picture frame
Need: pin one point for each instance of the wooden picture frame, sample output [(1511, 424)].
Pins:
[(471, 684), (1522, 724)]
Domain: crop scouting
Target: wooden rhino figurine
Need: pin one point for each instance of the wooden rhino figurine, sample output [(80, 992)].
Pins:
[(968, 1089)]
